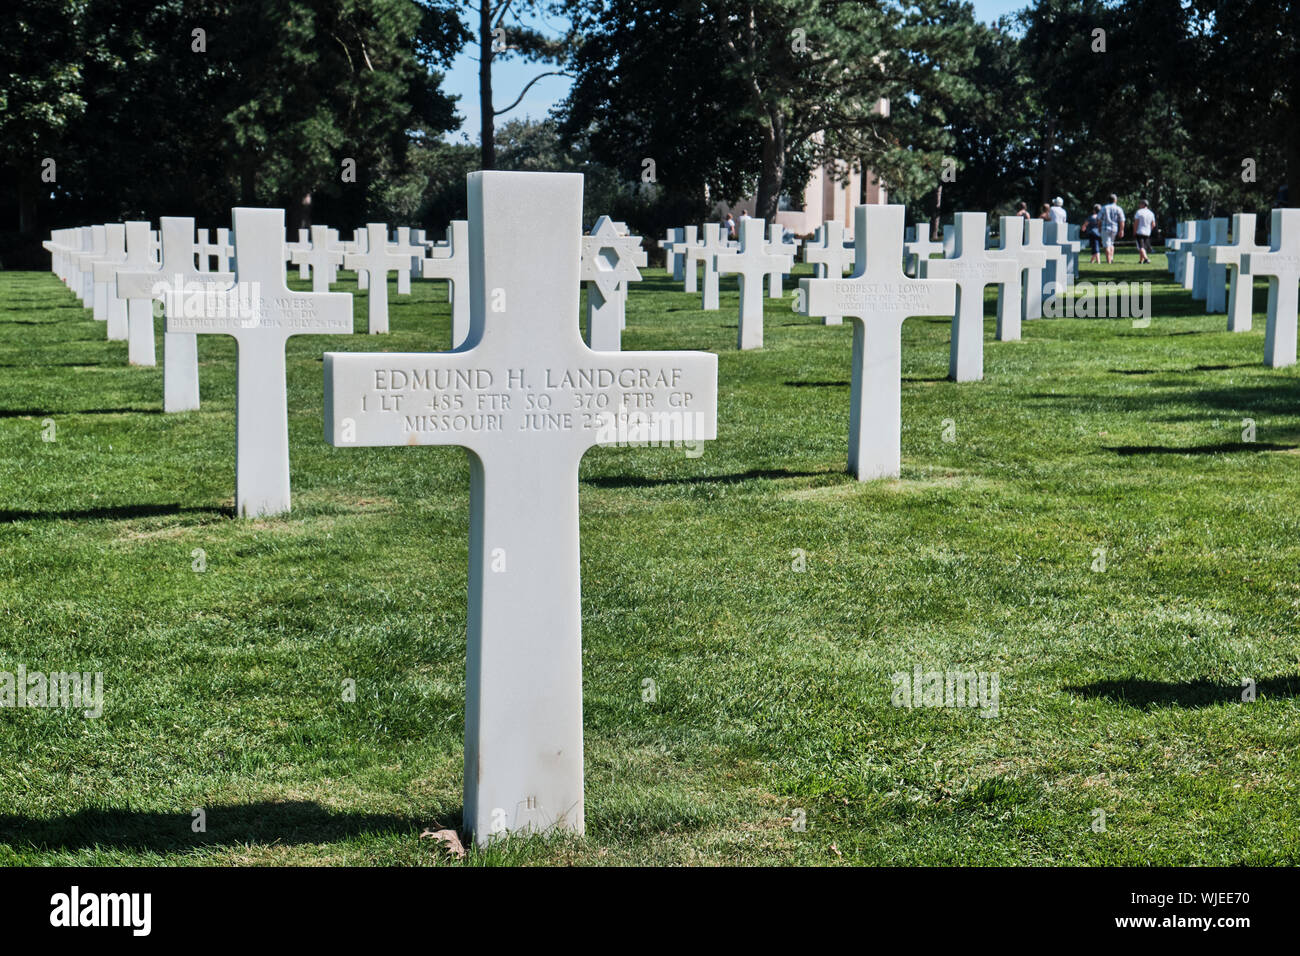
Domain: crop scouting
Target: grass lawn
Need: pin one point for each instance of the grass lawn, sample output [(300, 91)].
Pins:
[(1120, 689)]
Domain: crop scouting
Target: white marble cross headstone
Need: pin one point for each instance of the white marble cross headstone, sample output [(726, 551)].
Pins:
[(1171, 248), (261, 313), (297, 251), (878, 298), (690, 272), (712, 242), (751, 262), (1282, 266), (527, 399), (1011, 294), (779, 243), (359, 245), (949, 241), (139, 307), (1241, 287), (1057, 277), (609, 262), (107, 305), (972, 268), (921, 246), (831, 258), (404, 247), (377, 261), (673, 245), (320, 255), (453, 265), (1187, 253), (1035, 281), (177, 271), (86, 266), (1211, 279)]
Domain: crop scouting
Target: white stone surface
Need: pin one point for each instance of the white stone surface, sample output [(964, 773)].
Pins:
[(1241, 287), (1035, 281), (779, 242), (1187, 249), (261, 313), (527, 398), (104, 269), (1212, 278), (690, 266), (297, 253), (202, 242), (377, 261), (86, 266), (453, 265), (972, 267), (1056, 272), (752, 263), (673, 244), (139, 308), (405, 247), (610, 260), (921, 246), (831, 259), (1282, 266), (878, 297)]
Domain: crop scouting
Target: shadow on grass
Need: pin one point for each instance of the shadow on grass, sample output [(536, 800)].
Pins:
[(112, 513), (265, 823), (623, 481), (44, 412), (1182, 371), (817, 384), (1151, 694), (1222, 448)]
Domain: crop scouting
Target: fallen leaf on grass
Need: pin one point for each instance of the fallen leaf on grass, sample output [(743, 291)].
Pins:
[(450, 839)]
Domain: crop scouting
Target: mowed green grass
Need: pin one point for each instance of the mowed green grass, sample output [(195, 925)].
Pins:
[(1120, 690)]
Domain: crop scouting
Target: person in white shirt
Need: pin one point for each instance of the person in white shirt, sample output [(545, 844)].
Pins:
[(1112, 226), (1058, 210), (1143, 222)]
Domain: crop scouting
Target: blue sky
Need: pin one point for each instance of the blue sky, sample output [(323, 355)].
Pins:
[(511, 76)]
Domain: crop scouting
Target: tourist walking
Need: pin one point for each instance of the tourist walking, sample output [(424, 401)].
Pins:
[(1112, 226), (1144, 221), (1092, 232)]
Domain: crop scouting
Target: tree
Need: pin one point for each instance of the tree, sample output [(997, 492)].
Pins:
[(42, 50), (496, 40), (787, 83)]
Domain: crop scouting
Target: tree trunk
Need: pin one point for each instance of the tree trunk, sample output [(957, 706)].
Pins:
[(487, 126), (937, 218), (304, 211), (773, 174)]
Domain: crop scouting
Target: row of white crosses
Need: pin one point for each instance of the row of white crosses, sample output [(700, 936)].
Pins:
[(253, 304), (1201, 258)]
